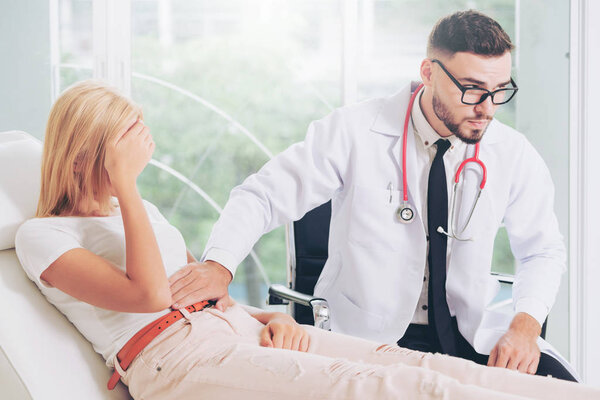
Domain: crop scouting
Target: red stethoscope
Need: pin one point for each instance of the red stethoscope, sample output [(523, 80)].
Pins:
[(405, 212)]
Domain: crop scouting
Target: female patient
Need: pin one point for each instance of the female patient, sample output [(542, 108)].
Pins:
[(102, 256)]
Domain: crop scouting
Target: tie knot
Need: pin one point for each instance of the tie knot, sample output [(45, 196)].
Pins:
[(442, 146)]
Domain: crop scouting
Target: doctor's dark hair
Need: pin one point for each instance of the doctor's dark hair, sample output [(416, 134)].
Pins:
[(468, 31)]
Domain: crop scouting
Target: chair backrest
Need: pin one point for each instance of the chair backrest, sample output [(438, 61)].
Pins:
[(309, 240)]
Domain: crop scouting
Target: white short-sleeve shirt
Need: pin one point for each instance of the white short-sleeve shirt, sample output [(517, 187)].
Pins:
[(41, 241)]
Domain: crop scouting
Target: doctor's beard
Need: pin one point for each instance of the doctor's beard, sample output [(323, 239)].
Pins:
[(469, 136)]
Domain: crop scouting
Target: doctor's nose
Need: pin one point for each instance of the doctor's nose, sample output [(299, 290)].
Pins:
[(486, 107)]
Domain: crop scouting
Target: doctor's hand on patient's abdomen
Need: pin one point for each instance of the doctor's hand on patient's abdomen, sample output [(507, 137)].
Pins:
[(517, 349), (199, 281)]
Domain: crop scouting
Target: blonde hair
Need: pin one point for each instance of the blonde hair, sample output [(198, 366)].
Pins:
[(82, 120)]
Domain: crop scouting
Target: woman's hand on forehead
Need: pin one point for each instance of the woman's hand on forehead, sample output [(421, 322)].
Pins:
[(128, 154)]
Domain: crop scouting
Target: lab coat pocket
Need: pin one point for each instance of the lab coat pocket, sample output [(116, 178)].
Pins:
[(373, 220), (329, 275), (363, 323)]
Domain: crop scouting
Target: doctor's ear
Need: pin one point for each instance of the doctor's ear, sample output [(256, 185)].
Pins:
[(426, 71)]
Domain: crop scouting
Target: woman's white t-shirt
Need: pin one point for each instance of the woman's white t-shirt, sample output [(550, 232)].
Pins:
[(41, 241)]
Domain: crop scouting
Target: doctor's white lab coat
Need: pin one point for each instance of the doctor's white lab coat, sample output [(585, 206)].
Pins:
[(374, 274)]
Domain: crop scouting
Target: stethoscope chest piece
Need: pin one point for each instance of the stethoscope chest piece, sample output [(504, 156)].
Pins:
[(405, 213)]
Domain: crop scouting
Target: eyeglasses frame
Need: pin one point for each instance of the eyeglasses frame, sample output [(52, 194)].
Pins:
[(484, 96)]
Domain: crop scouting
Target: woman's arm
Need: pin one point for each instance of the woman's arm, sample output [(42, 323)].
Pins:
[(94, 280), (281, 330), (144, 286)]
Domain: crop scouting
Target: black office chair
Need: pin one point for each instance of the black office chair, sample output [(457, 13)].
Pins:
[(307, 254)]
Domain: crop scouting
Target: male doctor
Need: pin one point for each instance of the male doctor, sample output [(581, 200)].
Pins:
[(402, 271)]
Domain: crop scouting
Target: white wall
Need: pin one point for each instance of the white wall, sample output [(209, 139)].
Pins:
[(25, 100), (24, 65), (585, 189), (543, 79)]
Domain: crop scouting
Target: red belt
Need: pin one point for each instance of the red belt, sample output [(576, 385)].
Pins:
[(145, 335)]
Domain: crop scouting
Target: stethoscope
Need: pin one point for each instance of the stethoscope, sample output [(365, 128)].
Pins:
[(405, 212)]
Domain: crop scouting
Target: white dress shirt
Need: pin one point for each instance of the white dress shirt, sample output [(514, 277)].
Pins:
[(425, 138)]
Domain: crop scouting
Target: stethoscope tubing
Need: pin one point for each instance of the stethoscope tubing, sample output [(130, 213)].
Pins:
[(474, 159)]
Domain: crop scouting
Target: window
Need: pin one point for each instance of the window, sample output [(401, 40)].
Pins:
[(225, 85), (74, 44)]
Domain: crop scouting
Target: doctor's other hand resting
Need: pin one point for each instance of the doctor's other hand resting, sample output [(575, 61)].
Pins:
[(517, 349), (199, 281)]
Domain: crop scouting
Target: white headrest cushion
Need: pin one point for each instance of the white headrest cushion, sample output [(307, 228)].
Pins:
[(20, 171)]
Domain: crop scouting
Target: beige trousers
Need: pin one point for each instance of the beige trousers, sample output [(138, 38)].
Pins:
[(215, 355)]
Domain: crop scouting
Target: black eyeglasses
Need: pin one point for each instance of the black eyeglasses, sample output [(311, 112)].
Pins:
[(476, 95)]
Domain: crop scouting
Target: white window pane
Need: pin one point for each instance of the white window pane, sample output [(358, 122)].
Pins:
[(223, 85), (75, 41)]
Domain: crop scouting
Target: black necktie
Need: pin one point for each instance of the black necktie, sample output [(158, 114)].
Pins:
[(438, 313)]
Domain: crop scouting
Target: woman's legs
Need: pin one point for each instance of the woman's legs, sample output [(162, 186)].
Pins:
[(217, 356), (230, 368), (464, 371)]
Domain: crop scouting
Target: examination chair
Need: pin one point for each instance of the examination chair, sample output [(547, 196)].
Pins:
[(42, 355), (307, 253)]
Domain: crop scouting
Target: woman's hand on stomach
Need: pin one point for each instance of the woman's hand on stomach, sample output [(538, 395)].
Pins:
[(282, 332)]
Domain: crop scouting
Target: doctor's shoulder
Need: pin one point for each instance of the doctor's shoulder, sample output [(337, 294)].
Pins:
[(344, 126), (501, 134), (357, 117), (503, 139)]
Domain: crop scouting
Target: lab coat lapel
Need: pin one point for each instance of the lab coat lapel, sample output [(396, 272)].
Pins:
[(413, 167), (390, 122)]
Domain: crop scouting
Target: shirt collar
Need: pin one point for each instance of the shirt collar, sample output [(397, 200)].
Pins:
[(425, 132)]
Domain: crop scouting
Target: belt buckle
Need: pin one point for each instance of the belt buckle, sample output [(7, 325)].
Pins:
[(201, 305)]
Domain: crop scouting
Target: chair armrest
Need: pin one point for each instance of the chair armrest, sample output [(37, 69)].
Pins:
[(319, 306)]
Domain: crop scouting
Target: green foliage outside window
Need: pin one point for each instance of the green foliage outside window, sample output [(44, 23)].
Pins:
[(273, 80)]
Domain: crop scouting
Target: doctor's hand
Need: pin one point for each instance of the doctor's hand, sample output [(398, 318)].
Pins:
[(518, 349), (282, 332), (199, 281)]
